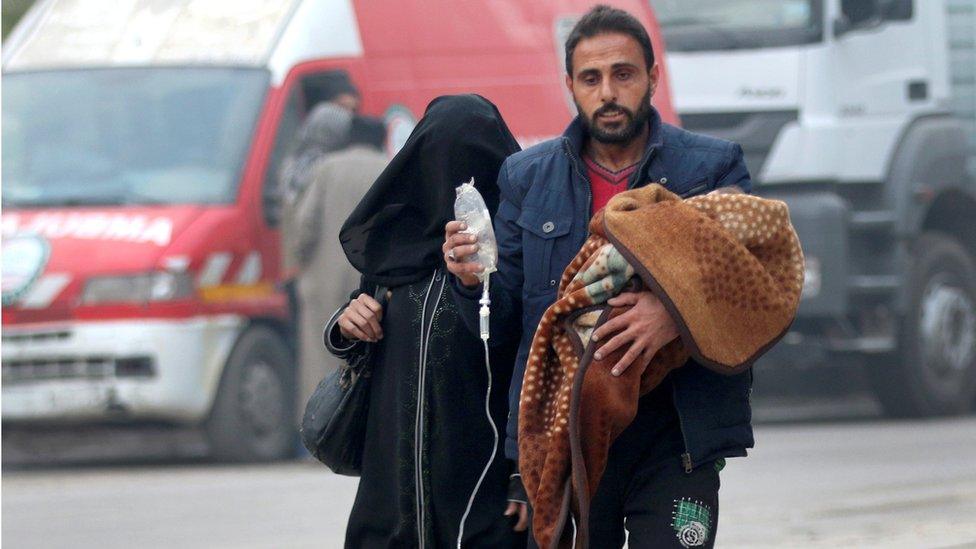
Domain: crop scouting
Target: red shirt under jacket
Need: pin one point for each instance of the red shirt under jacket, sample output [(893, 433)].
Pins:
[(605, 183)]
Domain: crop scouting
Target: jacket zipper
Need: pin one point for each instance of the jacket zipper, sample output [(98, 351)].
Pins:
[(589, 190), (643, 165), (685, 457), (421, 387), (588, 185)]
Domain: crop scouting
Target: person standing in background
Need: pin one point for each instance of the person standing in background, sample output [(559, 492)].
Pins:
[(324, 129), (336, 184)]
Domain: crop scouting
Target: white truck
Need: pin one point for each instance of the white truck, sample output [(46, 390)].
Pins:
[(861, 115)]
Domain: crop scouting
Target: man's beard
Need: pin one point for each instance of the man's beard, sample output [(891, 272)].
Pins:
[(628, 131)]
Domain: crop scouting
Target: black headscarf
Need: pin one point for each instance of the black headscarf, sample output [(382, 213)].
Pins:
[(394, 235)]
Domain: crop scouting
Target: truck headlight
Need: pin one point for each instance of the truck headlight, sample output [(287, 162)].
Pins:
[(141, 288), (811, 277)]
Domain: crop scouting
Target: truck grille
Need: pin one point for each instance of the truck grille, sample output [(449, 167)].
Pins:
[(31, 370), (36, 337)]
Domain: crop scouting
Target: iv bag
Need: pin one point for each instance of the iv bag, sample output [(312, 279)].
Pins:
[(470, 208)]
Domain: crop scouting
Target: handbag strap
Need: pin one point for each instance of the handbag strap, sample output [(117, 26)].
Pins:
[(380, 295), (359, 363)]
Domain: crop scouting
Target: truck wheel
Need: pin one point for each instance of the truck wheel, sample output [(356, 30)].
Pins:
[(936, 372), (252, 417)]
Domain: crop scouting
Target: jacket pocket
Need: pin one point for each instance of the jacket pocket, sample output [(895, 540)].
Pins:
[(696, 187), (539, 235)]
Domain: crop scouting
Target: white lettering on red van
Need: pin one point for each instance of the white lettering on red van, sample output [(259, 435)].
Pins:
[(127, 228), (160, 231)]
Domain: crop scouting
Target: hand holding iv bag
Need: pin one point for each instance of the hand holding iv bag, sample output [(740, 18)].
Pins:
[(470, 208)]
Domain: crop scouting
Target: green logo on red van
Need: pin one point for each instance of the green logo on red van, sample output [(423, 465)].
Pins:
[(24, 258), (400, 123)]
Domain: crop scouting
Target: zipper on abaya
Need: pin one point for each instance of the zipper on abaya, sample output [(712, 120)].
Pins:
[(425, 327)]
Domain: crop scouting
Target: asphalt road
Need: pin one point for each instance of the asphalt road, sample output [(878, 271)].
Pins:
[(861, 483)]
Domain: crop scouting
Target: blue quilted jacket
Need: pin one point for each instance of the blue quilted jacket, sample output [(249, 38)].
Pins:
[(541, 224)]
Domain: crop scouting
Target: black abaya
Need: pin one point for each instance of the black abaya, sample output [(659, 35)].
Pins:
[(448, 437), (428, 438)]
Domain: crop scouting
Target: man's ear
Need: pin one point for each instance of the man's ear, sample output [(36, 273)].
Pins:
[(569, 83), (653, 75)]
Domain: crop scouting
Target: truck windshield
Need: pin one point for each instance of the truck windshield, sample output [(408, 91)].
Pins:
[(704, 25), (137, 136)]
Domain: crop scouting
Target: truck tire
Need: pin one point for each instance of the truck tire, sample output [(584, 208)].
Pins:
[(252, 418), (935, 373)]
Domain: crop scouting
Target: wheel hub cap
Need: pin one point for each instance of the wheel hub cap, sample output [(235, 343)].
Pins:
[(948, 328), (260, 397)]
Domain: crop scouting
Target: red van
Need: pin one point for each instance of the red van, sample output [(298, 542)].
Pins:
[(140, 253)]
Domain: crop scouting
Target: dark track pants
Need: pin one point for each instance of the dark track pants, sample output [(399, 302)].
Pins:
[(646, 489)]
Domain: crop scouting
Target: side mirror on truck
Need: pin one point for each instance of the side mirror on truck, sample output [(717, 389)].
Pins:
[(857, 15)]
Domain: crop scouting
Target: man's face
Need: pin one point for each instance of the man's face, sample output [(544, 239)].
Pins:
[(347, 101), (612, 87)]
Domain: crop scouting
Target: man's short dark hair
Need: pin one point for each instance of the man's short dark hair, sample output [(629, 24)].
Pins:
[(603, 19), (328, 86), (367, 130)]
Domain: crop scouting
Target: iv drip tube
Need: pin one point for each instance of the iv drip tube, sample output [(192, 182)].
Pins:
[(483, 317)]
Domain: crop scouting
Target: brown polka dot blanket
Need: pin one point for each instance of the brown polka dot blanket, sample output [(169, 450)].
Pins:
[(729, 270)]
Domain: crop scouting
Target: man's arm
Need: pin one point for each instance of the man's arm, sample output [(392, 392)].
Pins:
[(647, 326), (735, 172)]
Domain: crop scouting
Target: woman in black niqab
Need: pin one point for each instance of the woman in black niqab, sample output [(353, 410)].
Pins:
[(427, 436), (395, 234)]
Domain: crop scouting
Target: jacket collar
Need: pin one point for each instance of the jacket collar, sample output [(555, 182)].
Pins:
[(576, 135)]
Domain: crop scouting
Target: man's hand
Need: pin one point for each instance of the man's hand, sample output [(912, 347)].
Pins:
[(522, 510), (457, 246), (361, 319), (517, 498), (646, 327)]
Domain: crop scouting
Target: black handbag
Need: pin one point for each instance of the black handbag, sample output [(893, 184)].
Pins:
[(334, 425)]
